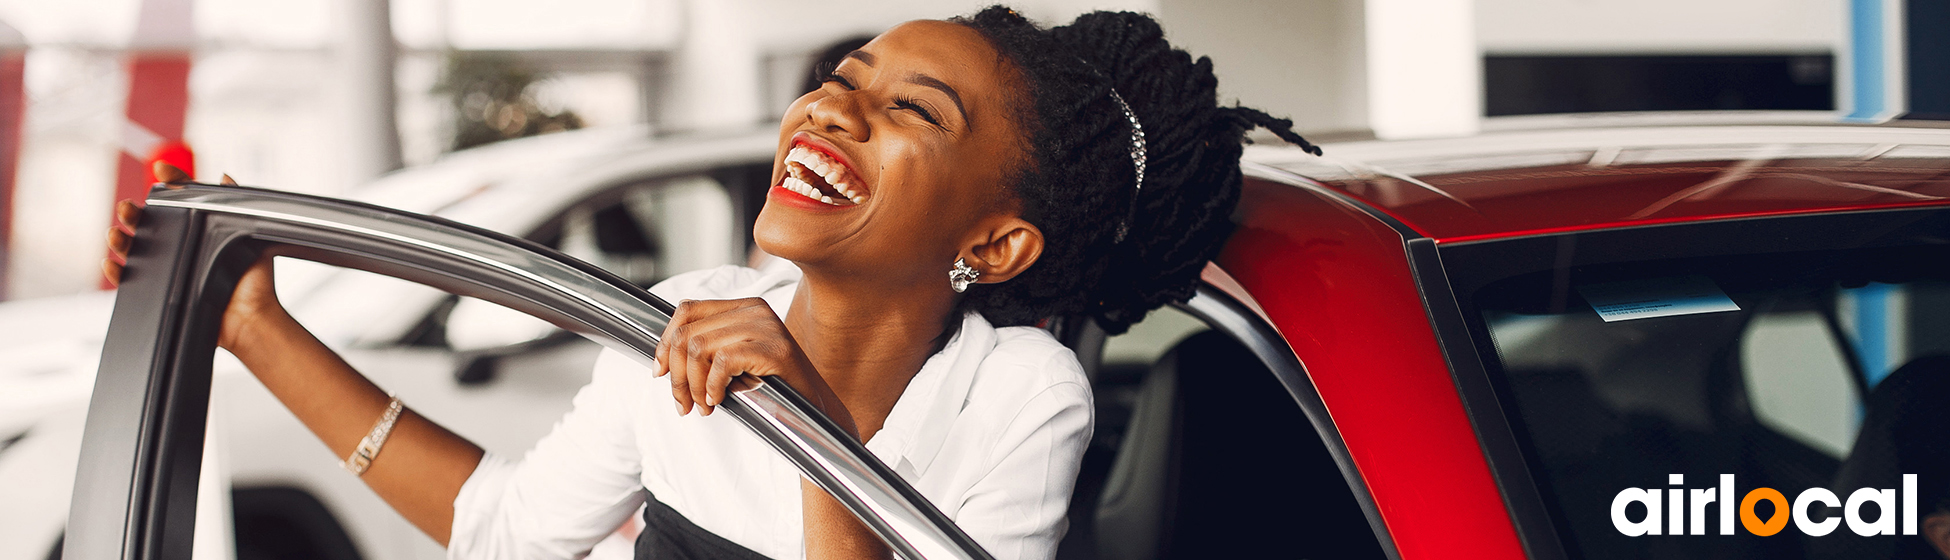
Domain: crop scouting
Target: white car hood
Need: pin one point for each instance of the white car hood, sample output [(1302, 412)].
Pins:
[(49, 349)]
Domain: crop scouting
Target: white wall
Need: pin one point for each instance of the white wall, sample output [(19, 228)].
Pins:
[(1661, 26), (1425, 76), (1339, 68), (1305, 60)]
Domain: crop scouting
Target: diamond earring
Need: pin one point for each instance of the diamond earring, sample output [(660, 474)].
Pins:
[(962, 275)]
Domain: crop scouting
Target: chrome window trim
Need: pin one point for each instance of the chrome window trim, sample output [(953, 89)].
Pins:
[(135, 489)]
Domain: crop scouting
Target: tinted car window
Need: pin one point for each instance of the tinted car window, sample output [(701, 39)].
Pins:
[(1803, 372)]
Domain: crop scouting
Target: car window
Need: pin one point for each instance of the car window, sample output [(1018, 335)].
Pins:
[(1795, 370), (1197, 446), (644, 232), (1741, 375), (647, 232)]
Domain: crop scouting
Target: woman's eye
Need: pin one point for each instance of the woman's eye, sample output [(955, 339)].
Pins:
[(910, 105), (830, 73)]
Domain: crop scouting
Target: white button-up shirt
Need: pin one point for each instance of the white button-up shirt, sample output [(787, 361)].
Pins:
[(991, 430)]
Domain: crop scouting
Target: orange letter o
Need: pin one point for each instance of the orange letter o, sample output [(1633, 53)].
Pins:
[(1752, 522)]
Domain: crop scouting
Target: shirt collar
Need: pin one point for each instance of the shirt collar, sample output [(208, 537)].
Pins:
[(918, 425), (915, 429)]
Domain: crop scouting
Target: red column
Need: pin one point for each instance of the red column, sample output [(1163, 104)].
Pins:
[(159, 99), (13, 110)]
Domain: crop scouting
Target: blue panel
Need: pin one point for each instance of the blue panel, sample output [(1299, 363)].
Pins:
[(1866, 69), (1872, 331)]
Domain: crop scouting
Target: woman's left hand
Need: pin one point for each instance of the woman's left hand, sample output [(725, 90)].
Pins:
[(714, 346)]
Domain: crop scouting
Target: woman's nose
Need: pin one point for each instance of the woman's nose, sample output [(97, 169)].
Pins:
[(839, 114)]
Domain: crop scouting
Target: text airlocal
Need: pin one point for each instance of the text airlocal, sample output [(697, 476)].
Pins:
[(1682, 511)]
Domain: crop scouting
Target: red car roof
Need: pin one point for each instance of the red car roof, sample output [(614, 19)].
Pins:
[(1515, 184)]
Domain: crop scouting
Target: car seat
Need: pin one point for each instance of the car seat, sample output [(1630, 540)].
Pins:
[(1219, 461), (1903, 432)]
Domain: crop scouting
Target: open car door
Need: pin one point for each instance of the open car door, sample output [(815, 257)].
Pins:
[(136, 486)]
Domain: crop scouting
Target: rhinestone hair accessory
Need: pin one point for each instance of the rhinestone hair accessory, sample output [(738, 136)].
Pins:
[(1137, 160)]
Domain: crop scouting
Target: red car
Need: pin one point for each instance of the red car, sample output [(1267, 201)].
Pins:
[(1502, 335), (1710, 342)]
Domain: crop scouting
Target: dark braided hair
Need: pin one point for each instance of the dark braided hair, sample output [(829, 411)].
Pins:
[(1078, 182)]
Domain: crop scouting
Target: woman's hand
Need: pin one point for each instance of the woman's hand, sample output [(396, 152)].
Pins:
[(254, 295), (714, 346)]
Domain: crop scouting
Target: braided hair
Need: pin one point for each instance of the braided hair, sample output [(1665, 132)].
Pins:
[(1079, 180)]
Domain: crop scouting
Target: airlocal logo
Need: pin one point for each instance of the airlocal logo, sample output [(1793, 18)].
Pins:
[(1682, 505)]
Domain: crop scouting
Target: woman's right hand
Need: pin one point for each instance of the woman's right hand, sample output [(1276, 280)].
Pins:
[(254, 296)]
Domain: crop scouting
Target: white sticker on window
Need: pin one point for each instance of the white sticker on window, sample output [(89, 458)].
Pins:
[(1656, 297)]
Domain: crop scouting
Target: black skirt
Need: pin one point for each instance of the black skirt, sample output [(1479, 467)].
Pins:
[(668, 535)]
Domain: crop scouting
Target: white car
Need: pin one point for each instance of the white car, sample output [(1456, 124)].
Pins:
[(639, 207)]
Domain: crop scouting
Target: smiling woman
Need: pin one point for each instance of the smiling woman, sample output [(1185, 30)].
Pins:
[(1084, 172)]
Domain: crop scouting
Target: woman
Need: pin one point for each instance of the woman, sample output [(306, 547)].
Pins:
[(1081, 170)]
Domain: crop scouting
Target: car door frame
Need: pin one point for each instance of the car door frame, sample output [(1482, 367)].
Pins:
[(135, 490), (1226, 314)]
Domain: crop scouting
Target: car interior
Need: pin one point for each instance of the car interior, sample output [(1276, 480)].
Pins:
[(1772, 392), (1199, 452)]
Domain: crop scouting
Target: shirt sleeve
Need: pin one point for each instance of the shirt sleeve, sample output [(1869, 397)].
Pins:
[(1017, 509), (578, 484)]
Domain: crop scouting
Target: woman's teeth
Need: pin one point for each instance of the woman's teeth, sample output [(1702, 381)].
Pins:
[(818, 177), (795, 185)]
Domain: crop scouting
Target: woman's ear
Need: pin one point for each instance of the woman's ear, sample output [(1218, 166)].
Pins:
[(1008, 247)]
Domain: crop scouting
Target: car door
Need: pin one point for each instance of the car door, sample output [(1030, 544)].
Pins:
[(496, 376), (136, 487)]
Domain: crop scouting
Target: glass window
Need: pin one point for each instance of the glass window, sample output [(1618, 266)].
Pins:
[(648, 232), (1806, 373)]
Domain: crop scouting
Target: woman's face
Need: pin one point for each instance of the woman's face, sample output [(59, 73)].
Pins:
[(898, 161)]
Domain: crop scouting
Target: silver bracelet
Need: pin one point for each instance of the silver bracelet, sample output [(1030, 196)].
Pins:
[(369, 447)]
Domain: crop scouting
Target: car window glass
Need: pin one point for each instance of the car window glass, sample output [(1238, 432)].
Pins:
[(643, 232), (648, 232), (1764, 389), (1889, 323), (696, 218), (1798, 377)]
